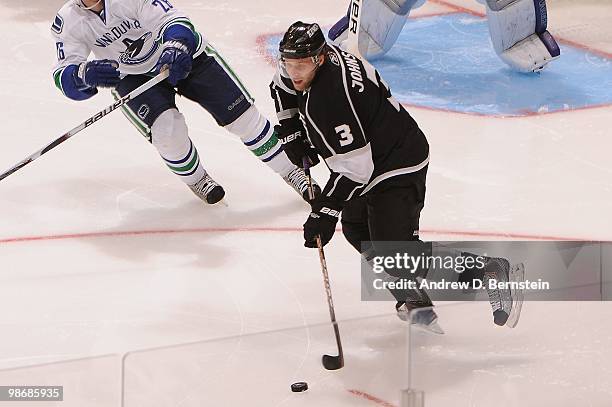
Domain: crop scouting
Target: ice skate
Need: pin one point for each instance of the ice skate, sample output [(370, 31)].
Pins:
[(426, 318), (506, 303), (208, 190), (298, 181)]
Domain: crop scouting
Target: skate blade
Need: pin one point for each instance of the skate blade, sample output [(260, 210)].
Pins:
[(433, 327), (222, 202), (517, 274)]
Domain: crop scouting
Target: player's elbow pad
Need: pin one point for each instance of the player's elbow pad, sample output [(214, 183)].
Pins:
[(178, 32), (71, 87)]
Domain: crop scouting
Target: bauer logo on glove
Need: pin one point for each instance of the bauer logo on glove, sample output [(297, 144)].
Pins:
[(321, 222)]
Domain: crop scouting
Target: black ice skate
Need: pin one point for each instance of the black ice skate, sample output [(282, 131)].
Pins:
[(298, 181), (505, 302), (208, 190), (426, 318)]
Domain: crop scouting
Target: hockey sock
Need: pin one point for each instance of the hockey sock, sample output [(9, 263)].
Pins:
[(258, 135), (170, 138)]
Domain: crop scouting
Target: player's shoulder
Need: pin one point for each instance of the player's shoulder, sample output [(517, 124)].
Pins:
[(332, 53), (119, 5), (66, 18), (338, 63), (352, 68), (332, 72), (340, 58)]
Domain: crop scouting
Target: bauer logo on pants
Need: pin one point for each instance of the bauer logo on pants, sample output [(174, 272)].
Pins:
[(236, 103), (143, 111)]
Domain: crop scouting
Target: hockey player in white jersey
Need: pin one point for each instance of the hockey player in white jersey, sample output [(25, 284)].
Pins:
[(518, 30), (131, 41)]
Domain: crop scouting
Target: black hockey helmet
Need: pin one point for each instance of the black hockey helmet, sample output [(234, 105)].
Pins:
[(302, 40)]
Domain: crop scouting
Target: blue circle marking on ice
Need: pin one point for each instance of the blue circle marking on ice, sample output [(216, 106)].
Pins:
[(447, 63)]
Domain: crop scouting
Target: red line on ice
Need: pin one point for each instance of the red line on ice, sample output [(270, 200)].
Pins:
[(525, 113), (457, 8), (369, 397), (136, 233)]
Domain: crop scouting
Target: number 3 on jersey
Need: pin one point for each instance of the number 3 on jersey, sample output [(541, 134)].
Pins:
[(344, 134)]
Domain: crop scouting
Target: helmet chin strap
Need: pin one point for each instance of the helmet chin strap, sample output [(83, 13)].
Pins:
[(90, 7)]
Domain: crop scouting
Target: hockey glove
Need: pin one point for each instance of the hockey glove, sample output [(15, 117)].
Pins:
[(321, 221), (97, 74), (177, 58), (296, 146)]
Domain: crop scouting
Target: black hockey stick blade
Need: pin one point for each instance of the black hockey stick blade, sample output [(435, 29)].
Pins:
[(333, 362)]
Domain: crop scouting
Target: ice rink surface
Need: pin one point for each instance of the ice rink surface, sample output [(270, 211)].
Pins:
[(104, 252)]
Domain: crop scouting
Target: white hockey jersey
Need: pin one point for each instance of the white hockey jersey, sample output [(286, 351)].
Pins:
[(127, 31)]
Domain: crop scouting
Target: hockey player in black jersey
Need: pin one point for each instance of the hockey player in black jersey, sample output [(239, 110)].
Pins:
[(373, 147), (332, 104)]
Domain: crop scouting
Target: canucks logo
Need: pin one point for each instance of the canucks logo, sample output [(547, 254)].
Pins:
[(58, 24), (133, 49)]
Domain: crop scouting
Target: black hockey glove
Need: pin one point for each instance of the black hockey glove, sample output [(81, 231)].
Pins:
[(177, 58), (296, 146), (321, 221)]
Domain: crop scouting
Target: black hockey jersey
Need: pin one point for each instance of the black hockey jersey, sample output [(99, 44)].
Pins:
[(364, 135)]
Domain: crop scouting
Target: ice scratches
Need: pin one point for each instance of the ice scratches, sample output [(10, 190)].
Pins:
[(133, 192)]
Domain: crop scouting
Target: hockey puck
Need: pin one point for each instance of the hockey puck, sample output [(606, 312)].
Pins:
[(299, 387)]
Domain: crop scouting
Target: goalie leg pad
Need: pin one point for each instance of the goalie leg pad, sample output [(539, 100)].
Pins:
[(540, 12), (498, 5), (170, 137), (518, 33), (403, 7), (381, 24)]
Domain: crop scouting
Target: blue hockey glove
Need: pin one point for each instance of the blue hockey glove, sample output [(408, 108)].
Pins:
[(98, 74), (177, 59), (321, 221)]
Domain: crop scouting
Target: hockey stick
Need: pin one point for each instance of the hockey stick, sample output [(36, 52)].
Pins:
[(329, 362), (355, 9), (124, 100)]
